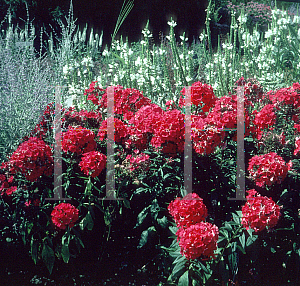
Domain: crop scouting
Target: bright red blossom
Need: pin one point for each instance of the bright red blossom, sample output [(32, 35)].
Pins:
[(92, 163), (170, 127), (32, 159), (78, 140), (188, 211), (263, 119), (121, 130), (199, 240), (259, 212), (201, 94), (64, 215), (268, 169)]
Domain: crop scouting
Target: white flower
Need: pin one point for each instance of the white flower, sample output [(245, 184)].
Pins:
[(105, 53), (138, 61), (161, 52), (183, 38), (201, 37), (296, 20), (130, 52), (65, 69), (85, 61), (152, 79), (242, 19), (188, 79), (172, 24)]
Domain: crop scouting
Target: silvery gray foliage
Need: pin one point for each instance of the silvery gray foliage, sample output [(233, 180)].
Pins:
[(26, 87)]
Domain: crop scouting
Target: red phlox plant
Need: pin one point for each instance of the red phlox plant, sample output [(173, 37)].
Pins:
[(199, 240), (263, 119), (268, 169), (188, 211), (92, 163), (259, 212), (33, 158), (169, 128), (64, 215), (139, 161), (201, 95), (121, 130), (78, 140)]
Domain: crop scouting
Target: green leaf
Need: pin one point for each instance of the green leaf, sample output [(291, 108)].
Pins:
[(89, 220), (232, 261), (241, 249), (65, 253), (179, 258), (34, 249), (141, 216), (163, 222), (146, 234), (126, 204), (236, 218), (184, 279), (242, 240), (83, 224), (228, 226), (179, 268), (173, 229), (48, 257)]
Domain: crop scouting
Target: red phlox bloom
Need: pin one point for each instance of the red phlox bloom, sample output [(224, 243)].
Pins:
[(92, 163), (32, 159), (170, 127), (64, 215), (267, 169), (198, 240), (78, 140), (201, 94), (121, 130), (188, 211), (206, 137), (259, 212), (263, 119)]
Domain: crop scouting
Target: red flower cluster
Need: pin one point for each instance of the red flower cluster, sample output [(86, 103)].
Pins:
[(285, 96), (78, 140), (206, 137), (83, 115), (121, 130), (64, 215), (196, 238), (5, 187), (32, 158), (297, 143), (263, 119), (188, 211), (170, 127), (146, 117), (92, 163), (268, 169), (259, 212), (201, 94), (141, 161), (253, 90), (126, 102), (93, 93)]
